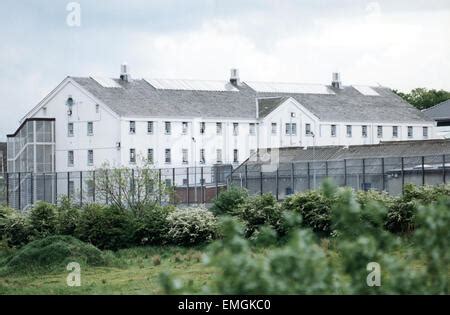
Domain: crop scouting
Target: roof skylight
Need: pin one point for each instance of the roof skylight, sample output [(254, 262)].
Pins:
[(191, 85), (301, 88), (106, 82)]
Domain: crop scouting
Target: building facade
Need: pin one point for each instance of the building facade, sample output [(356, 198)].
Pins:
[(86, 122), (441, 114)]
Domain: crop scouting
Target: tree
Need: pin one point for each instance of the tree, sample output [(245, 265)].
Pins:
[(134, 188), (423, 98)]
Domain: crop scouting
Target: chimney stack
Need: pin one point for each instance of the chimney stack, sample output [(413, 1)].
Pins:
[(336, 80), (124, 75), (234, 77)]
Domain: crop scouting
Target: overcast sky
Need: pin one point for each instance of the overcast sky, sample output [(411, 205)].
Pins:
[(400, 44)]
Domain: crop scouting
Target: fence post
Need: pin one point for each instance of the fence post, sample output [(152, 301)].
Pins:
[(309, 176), (187, 185), (246, 176), (260, 183), (345, 172), (45, 190), (93, 186), (443, 169), (159, 187), (202, 195), (7, 189), (32, 187), (20, 193), (132, 185), (68, 185), (277, 183), (107, 186), (81, 188), (174, 192), (382, 174), (326, 169), (364, 174), (403, 175), (292, 178), (423, 171), (56, 188), (216, 177)]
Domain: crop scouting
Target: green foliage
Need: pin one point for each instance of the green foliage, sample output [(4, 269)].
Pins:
[(43, 220), (105, 227), (191, 226), (259, 211), (315, 209), (14, 227), (229, 200), (302, 266), (51, 253), (401, 217), (151, 225), (423, 98), (68, 217)]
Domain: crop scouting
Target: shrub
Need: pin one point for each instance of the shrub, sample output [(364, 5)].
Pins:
[(68, 217), (258, 211), (150, 224), (53, 252), (105, 227), (43, 220), (229, 200), (191, 226), (315, 209), (156, 260), (15, 228)]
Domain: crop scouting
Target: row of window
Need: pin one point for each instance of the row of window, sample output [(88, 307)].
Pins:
[(364, 132), (89, 130), (184, 128), (184, 156), (71, 158)]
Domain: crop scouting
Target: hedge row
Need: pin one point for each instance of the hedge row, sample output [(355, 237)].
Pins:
[(109, 227)]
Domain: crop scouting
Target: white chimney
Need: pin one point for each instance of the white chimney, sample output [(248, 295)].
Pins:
[(234, 77), (336, 80), (124, 75)]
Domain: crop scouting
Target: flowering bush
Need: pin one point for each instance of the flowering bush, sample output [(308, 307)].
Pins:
[(191, 226)]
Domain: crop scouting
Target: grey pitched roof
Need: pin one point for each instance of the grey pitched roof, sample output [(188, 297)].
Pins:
[(440, 111), (267, 105), (140, 99), (388, 149)]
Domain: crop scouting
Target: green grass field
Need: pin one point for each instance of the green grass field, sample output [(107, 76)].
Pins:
[(135, 273)]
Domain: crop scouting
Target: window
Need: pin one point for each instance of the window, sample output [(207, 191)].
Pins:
[(252, 129), (90, 157), (274, 128), (380, 131), (90, 128), (168, 182), (150, 127), (185, 182), (184, 127), (70, 129), (132, 155), (132, 127), (425, 132), (349, 130), (70, 158), (219, 155), (219, 128), (202, 156), (185, 156), (202, 127), (410, 132), (167, 156), (395, 131), (235, 156), (291, 129), (364, 131), (150, 156), (71, 188), (308, 129), (235, 129), (167, 127), (333, 130), (97, 108), (252, 152)]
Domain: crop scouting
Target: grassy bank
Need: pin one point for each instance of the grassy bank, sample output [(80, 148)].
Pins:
[(137, 272)]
